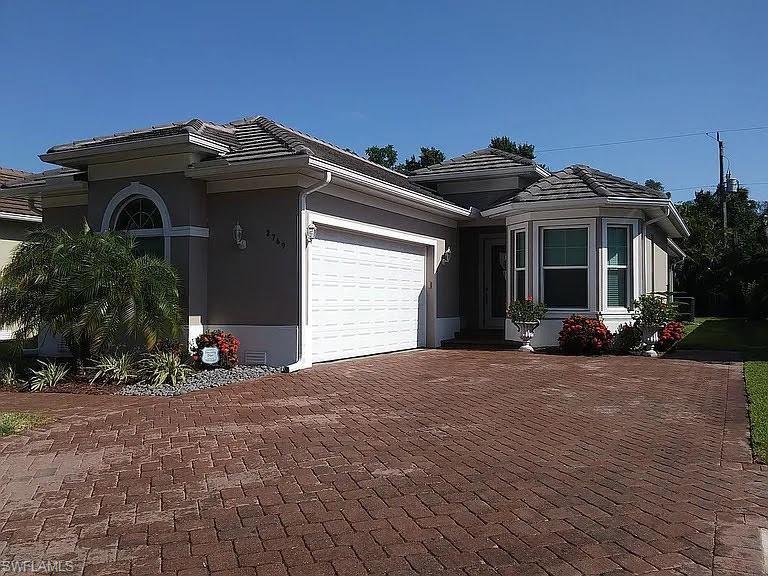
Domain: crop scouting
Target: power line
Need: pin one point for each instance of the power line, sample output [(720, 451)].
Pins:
[(652, 139), (714, 186)]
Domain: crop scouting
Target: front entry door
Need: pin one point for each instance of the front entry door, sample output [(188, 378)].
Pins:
[(494, 282)]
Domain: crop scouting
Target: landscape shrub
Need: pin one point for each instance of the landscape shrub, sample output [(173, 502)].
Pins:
[(671, 334), (227, 344), (628, 337), (582, 335), (652, 312), (161, 367), (48, 375), (92, 290), (116, 368)]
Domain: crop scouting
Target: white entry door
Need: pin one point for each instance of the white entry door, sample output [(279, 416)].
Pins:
[(367, 295)]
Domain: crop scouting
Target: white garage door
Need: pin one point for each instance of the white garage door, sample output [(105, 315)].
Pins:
[(367, 295)]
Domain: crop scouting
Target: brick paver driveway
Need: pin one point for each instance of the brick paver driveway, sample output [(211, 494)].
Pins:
[(422, 462)]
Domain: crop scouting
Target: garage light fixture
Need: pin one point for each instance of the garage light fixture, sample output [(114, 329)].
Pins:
[(311, 232), (447, 255)]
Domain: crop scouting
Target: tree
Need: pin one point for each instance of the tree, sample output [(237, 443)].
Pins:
[(504, 143), (428, 157), (383, 155), (723, 271), (90, 289), (654, 184)]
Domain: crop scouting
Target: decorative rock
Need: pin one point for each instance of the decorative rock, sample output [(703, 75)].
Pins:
[(200, 380)]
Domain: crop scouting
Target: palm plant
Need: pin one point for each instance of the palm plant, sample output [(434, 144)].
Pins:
[(90, 289)]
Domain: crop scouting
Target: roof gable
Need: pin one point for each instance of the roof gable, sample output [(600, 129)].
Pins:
[(580, 181)]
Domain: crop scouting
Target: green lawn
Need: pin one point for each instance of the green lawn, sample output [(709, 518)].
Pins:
[(750, 338), (15, 422)]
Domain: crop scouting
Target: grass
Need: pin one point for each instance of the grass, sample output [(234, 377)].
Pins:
[(750, 338), (15, 422)]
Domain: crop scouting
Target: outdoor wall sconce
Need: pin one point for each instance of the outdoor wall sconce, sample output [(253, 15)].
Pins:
[(447, 255), (237, 236), (311, 232)]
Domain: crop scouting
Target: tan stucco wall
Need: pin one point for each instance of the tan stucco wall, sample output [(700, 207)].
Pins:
[(11, 233), (257, 286), (447, 275), (657, 260)]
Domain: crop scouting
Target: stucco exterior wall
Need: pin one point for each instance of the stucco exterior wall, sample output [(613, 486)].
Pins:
[(67, 217), (257, 286), (657, 260), (185, 198), (11, 233)]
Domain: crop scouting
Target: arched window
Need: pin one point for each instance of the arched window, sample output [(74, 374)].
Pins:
[(140, 217)]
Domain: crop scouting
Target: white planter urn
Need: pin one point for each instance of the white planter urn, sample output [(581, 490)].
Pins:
[(650, 337), (526, 333)]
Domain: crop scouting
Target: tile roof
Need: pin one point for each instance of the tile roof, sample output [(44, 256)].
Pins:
[(216, 132), (21, 206), (257, 138), (581, 181), (483, 159)]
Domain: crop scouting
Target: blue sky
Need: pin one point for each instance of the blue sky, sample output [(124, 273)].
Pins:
[(446, 74)]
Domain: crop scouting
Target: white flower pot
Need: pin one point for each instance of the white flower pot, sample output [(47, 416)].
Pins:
[(526, 330), (649, 340)]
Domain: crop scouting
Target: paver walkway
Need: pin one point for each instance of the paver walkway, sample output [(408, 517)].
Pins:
[(456, 462)]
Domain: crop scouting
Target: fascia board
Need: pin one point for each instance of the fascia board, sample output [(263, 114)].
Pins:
[(395, 191)]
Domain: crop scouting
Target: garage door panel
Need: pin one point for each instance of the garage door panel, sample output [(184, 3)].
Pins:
[(368, 295)]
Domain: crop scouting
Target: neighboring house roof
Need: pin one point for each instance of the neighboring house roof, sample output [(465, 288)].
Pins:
[(476, 161), (11, 207), (581, 181)]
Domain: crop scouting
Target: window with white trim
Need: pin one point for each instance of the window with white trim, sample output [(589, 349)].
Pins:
[(618, 246), (519, 265), (140, 218), (565, 268)]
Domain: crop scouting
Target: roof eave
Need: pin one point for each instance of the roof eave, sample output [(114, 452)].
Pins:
[(222, 168), (428, 202), (77, 156), (20, 217), (477, 174)]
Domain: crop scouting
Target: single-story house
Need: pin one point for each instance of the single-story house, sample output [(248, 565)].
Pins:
[(18, 215), (308, 252)]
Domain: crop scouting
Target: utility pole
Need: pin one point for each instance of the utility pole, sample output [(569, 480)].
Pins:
[(721, 185)]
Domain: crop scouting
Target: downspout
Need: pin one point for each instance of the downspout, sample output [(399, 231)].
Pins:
[(301, 362)]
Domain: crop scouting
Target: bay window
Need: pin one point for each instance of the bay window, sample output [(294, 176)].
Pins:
[(564, 268), (617, 243)]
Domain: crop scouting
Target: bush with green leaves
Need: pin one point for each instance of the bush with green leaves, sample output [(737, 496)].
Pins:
[(115, 368), (652, 312), (91, 289), (49, 374), (9, 378), (160, 368), (628, 338)]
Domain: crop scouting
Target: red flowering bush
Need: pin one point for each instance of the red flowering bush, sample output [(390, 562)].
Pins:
[(582, 335), (227, 344), (670, 335)]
